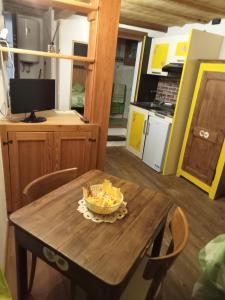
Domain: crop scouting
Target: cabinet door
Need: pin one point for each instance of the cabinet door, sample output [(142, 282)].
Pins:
[(30, 156), (158, 57), (207, 129), (181, 51), (75, 149), (136, 130)]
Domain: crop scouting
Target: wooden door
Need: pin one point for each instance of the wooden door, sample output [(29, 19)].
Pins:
[(30, 156), (136, 130), (207, 128), (75, 149)]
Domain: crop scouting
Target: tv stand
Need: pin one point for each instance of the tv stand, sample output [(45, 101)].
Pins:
[(34, 119)]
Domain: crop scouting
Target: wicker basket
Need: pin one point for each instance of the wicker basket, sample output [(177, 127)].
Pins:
[(102, 210)]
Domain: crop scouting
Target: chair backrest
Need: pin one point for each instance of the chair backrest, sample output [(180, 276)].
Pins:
[(157, 267), (47, 183)]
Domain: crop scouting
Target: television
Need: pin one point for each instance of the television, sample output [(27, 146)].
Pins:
[(30, 96)]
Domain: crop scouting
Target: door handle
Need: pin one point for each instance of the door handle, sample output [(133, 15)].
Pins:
[(155, 72), (201, 133), (144, 127), (204, 134), (148, 126)]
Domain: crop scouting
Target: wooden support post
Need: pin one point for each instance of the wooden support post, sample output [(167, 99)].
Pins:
[(102, 46)]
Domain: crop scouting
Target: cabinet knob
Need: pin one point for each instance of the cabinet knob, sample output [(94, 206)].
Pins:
[(92, 140)]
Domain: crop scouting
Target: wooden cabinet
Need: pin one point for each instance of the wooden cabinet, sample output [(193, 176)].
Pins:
[(30, 156), (32, 150), (137, 122), (74, 150), (204, 137)]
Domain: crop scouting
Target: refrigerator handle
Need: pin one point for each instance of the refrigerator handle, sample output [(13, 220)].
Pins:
[(148, 127), (144, 129)]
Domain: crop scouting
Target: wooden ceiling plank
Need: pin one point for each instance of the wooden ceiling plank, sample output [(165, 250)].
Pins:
[(163, 18), (172, 12), (213, 8), (165, 12)]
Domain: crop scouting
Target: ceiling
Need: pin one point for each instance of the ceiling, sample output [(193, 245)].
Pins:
[(160, 14), (165, 13)]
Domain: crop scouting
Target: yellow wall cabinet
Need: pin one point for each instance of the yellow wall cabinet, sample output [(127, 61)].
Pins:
[(158, 56), (202, 159), (137, 122), (170, 49), (178, 48)]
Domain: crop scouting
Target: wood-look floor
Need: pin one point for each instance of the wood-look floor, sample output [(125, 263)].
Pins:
[(206, 219)]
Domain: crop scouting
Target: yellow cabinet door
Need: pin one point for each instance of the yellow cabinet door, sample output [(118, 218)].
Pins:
[(181, 49), (136, 130), (159, 56)]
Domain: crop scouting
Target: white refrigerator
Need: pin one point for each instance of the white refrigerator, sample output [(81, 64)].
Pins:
[(157, 133)]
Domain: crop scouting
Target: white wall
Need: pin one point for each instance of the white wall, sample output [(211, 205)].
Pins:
[(217, 29), (3, 214), (75, 28)]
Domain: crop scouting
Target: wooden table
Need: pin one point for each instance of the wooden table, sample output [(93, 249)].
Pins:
[(100, 258)]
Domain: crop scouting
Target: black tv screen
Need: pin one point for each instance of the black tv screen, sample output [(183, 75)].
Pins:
[(30, 95)]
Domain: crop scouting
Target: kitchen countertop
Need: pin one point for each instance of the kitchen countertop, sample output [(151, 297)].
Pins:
[(156, 109)]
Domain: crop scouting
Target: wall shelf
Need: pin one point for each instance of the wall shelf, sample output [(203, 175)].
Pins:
[(88, 60)]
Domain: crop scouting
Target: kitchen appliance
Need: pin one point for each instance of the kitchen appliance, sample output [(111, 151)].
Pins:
[(173, 68), (157, 132)]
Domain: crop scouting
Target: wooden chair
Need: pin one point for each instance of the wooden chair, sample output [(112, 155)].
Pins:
[(157, 267), (40, 187)]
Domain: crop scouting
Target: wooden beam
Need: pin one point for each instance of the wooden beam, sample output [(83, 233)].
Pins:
[(75, 6), (15, 8), (143, 24), (83, 59), (100, 79), (131, 34), (62, 14)]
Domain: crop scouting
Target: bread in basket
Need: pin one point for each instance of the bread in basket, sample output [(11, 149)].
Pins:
[(103, 198)]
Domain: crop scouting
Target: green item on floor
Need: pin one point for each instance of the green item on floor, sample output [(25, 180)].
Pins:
[(4, 290), (211, 284)]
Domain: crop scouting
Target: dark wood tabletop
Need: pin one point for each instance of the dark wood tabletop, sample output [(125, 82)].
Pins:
[(107, 251)]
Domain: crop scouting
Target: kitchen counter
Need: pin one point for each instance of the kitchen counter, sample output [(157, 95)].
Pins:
[(156, 109)]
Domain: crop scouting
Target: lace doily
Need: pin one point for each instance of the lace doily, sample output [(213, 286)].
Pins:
[(118, 215)]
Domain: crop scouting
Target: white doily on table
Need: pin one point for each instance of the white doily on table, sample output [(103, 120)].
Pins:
[(118, 215)]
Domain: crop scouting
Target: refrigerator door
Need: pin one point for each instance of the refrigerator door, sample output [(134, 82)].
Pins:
[(156, 142)]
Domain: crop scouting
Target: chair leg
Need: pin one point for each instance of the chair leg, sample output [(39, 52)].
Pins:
[(72, 290), (32, 272), (154, 288)]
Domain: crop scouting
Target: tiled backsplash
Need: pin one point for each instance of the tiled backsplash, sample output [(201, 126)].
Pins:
[(167, 89)]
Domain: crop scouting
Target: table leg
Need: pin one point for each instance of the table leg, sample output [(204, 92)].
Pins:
[(158, 241), (21, 272)]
